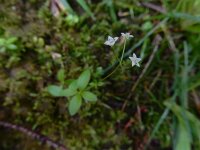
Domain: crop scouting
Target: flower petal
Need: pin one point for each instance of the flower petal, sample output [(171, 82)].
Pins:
[(111, 41), (135, 60)]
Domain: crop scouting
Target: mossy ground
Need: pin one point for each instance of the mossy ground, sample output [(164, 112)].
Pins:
[(121, 118)]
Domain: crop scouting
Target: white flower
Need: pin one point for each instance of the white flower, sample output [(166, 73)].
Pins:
[(127, 35), (135, 60), (55, 55), (111, 41)]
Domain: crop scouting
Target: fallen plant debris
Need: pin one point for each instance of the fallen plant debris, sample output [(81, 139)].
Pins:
[(99, 75), (34, 135)]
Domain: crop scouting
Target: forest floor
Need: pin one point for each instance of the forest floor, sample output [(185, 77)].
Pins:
[(62, 86)]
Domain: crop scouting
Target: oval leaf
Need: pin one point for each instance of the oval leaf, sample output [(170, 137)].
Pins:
[(68, 92), (74, 104), (54, 90), (89, 96), (11, 40), (12, 47), (83, 79), (73, 85), (61, 75)]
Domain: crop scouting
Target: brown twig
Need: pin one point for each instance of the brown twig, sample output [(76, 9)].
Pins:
[(34, 135), (155, 79), (196, 100), (154, 7), (156, 42), (172, 45)]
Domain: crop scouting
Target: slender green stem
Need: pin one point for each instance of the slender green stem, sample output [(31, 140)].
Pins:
[(116, 57), (122, 56), (111, 73), (106, 70), (123, 52)]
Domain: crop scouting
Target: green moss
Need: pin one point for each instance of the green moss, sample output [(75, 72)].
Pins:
[(31, 37)]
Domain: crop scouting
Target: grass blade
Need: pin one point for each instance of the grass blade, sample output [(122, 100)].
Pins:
[(111, 9), (84, 5), (67, 6)]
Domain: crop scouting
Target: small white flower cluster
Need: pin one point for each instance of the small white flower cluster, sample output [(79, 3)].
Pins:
[(135, 60), (111, 41), (127, 35)]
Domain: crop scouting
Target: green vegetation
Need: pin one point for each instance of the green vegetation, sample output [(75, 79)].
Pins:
[(75, 92), (62, 87)]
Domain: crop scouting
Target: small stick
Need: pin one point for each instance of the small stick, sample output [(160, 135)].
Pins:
[(34, 135), (154, 7), (156, 42), (196, 100), (155, 79)]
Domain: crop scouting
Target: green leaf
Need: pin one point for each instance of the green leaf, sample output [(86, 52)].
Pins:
[(183, 139), (74, 104), (89, 96), (2, 41), (61, 75), (73, 85), (12, 47), (11, 40), (83, 79), (2, 49), (84, 5), (68, 92), (55, 90), (183, 130), (71, 20), (67, 6), (147, 26), (110, 5)]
